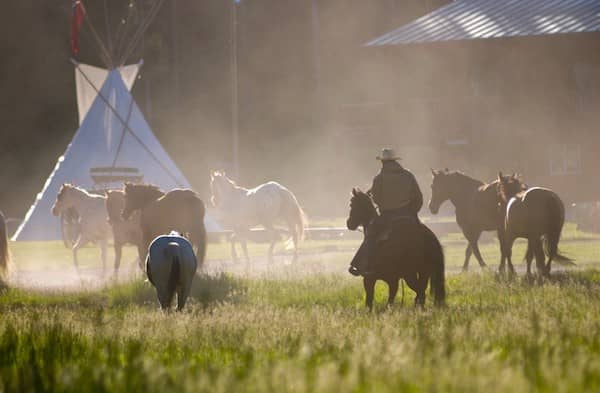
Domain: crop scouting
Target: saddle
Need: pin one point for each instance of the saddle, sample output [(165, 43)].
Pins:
[(399, 223)]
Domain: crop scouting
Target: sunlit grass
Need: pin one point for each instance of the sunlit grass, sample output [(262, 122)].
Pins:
[(308, 334)]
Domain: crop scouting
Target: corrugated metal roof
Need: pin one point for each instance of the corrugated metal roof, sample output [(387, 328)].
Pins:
[(478, 19)]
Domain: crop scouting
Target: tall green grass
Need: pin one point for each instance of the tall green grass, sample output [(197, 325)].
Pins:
[(308, 334)]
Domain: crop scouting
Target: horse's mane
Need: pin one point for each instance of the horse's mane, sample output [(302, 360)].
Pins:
[(509, 186), (231, 182), (461, 177), (487, 186), (362, 196), (143, 187), (69, 186)]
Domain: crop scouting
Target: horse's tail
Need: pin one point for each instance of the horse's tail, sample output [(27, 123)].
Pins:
[(556, 214), (295, 215), (435, 255), (4, 252), (199, 236), (173, 255), (201, 240)]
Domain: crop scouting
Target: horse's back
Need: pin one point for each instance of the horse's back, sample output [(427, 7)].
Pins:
[(483, 208), (534, 210)]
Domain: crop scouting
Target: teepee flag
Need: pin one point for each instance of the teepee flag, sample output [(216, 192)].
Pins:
[(76, 21)]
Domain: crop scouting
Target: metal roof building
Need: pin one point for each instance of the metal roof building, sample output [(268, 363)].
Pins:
[(480, 19)]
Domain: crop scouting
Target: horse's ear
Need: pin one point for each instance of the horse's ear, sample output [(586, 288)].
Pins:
[(500, 177), (434, 173), (353, 191)]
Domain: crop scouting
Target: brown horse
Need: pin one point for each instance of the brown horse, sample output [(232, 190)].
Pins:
[(476, 206), (536, 214), (4, 252), (124, 231), (416, 257), (179, 210)]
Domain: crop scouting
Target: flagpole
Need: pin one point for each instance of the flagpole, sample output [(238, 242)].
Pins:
[(234, 91)]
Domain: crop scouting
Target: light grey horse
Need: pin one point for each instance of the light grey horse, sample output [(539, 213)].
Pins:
[(265, 205), (171, 265), (93, 218)]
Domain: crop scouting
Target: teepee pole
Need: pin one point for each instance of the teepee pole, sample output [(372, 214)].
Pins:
[(106, 54), (141, 30)]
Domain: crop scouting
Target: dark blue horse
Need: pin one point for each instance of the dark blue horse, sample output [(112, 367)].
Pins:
[(171, 266)]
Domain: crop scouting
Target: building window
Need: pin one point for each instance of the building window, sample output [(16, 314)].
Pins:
[(565, 159), (587, 81)]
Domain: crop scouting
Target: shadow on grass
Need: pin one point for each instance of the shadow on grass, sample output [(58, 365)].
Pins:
[(589, 278), (217, 289), (206, 290)]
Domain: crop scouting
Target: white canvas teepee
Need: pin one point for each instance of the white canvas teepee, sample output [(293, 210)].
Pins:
[(113, 133)]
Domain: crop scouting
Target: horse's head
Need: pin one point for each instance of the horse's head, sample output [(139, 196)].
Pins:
[(509, 186), (64, 199), (137, 196), (220, 184), (440, 189), (115, 203), (362, 210)]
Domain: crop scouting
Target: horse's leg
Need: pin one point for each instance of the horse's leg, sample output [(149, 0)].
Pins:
[(182, 295), (468, 252), (272, 238), (415, 284), (103, 246), (369, 284), (475, 246), (244, 243), (232, 240), (118, 253), (540, 257), (509, 240), (78, 244), (393, 290), (529, 255), (502, 240), (548, 266), (295, 238), (141, 255)]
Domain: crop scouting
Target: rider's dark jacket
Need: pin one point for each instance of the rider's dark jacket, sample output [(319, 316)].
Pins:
[(395, 190)]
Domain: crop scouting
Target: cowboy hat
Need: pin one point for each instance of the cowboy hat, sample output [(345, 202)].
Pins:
[(388, 154)]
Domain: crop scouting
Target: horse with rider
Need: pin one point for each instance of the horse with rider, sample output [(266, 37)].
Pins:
[(398, 197)]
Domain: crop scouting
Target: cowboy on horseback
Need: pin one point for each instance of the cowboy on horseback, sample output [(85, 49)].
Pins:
[(398, 197)]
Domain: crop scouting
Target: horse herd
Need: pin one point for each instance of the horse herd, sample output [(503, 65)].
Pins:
[(139, 213)]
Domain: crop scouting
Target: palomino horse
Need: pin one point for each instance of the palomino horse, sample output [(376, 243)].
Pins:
[(416, 256), (93, 220), (536, 214), (476, 206), (178, 210), (124, 231), (264, 205), (4, 252)]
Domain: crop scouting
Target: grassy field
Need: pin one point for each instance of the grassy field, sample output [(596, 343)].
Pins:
[(303, 328)]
